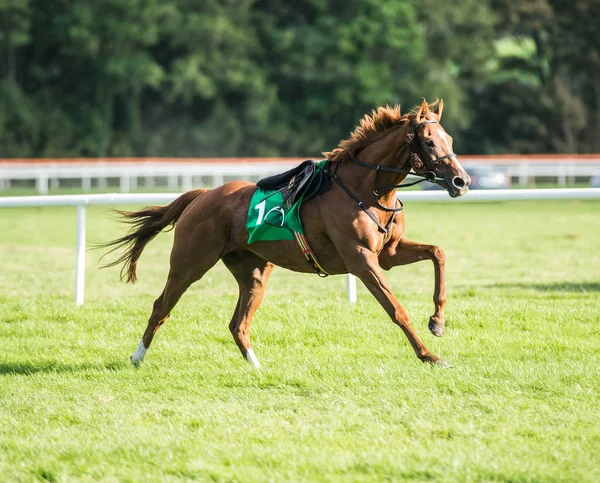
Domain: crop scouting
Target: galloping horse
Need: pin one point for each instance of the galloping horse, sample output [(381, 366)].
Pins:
[(355, 227)]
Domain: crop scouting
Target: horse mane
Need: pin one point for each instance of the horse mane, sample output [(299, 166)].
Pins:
[(373, 127)]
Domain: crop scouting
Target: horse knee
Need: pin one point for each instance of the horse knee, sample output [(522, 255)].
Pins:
[(438, 255)]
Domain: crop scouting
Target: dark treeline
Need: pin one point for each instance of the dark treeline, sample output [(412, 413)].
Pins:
[(272, 77)]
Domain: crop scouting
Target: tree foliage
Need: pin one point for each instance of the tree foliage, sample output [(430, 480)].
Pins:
[(267, 78)]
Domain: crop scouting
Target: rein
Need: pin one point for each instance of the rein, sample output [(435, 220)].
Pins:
[(370, 214)]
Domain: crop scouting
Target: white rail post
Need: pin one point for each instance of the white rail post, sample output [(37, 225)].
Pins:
[(80, 264), (124, 183), (562, 176), (351, 288), (523, 174), (186, 181), (172, 182), (42, 183)]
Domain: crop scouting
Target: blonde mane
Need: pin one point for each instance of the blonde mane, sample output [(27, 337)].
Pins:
[(374, 126)]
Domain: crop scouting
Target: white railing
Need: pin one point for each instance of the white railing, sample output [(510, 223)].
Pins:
[(81, 201), (185, 174), (178, 175)]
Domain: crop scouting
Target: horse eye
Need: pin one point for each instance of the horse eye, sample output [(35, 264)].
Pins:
[(431, 144)]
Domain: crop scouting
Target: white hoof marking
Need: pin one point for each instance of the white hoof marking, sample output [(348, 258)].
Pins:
[(252, 359), (139, 354)]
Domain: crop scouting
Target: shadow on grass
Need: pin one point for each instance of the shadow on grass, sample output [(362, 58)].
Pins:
[(29, 368), (552, 287)]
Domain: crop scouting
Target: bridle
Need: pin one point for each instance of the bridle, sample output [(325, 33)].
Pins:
[(429, 174)]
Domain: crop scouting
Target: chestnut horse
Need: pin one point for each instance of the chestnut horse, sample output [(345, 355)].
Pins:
[(354, 227)]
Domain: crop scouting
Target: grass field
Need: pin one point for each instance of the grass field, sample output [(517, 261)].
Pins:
[(341, 396)]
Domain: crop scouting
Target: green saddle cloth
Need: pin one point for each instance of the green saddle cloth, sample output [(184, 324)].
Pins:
[(272, 217)]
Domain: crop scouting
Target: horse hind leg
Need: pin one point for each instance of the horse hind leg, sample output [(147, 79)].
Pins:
[(252, 274), (181, 276), (174, 289)]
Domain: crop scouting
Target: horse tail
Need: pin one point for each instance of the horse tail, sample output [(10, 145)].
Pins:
[(145, 225)]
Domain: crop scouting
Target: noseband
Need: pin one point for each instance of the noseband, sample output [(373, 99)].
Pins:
[(410, 144)]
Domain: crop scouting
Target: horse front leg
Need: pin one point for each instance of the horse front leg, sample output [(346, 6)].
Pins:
[(366, 268), (406, 252)]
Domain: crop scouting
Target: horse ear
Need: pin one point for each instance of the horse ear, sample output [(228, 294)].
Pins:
[(423, 110), (439, 108)]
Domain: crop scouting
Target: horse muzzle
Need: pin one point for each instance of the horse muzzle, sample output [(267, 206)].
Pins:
[(458, 185)]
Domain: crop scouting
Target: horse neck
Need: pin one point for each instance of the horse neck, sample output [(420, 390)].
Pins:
[(385, 152)]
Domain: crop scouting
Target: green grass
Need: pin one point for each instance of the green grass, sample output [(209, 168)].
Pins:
[(341, 396)]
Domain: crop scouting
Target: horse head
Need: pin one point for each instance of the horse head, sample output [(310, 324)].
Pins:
[(431, 152)]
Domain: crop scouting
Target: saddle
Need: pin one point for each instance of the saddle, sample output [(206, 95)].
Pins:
[(305, 181)]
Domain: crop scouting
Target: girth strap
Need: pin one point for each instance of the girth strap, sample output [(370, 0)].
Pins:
[(308, 252)]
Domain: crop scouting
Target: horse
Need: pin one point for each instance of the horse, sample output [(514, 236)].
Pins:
[(355, 227)]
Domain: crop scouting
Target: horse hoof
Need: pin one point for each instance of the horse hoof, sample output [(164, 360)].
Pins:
[(138, 356), (443, 364), (436, 327), (437, 362), (252, 359)]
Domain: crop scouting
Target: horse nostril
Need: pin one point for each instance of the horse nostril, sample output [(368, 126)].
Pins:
[(458, 182)]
